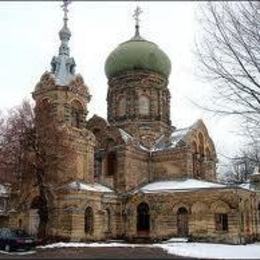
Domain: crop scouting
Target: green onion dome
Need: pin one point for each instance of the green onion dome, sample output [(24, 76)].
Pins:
[(137, 54)]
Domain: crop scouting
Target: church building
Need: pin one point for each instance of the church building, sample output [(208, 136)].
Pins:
[(137, 177)]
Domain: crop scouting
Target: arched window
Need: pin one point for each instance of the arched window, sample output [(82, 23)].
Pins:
[(89, 220), (242, 224), (76, 113), (96, 132), (144, 105), (247, 222), (97, 165), (45, 102), (20, 223), (194, 147), (195, 161), (201, 144), (109, 143), (208, 154), (111, 163), (108, 220), (143, 217), (121, 106), (182, 222)]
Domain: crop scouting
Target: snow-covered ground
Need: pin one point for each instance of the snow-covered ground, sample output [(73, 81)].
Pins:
[(208, 250), (98, 244), (200, 250), (17, 253)]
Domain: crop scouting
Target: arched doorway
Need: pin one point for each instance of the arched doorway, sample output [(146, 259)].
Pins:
[(182, 222), (143, 218)]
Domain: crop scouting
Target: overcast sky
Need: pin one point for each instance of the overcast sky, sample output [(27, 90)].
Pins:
[(29, 39)]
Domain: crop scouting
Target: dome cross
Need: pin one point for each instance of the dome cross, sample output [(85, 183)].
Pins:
[(65, 10), (136, 16)]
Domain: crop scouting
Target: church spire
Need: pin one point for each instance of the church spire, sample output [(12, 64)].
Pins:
[(63, 66), (136, 16)]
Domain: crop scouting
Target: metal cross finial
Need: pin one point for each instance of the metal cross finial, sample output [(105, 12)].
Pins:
[(136, 15), (65, 9)]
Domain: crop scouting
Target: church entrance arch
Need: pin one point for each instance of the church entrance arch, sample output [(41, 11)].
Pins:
[(143, 218), (182, 222), (34, 218)]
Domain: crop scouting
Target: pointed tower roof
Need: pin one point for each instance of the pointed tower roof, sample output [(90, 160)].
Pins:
[(63, 66)]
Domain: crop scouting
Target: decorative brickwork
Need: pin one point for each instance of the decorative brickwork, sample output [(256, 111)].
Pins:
[(139, 102)]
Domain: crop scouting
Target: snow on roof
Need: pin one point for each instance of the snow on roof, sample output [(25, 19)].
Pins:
[(256, 171), (176, 139), (178, 136), (126, 137), (96, 187), (178, 185), (3, 189), (246, 186)]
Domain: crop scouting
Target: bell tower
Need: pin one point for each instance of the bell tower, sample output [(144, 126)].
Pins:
[(138, 99), (67, 97)]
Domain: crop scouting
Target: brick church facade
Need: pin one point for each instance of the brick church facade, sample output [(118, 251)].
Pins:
[(136, 176)]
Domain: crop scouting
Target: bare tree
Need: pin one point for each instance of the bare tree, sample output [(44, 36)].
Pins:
[(229, 58), (30, 148), (228, 52)]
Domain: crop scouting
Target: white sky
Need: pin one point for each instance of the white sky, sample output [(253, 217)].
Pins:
[(29, 39)]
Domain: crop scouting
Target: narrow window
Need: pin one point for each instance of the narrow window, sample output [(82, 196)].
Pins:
[(121, 106), (76, 114), (242, 224), (20, 223), (108, 220), (97, 166), (111, 163), (75, 120), (201, 144), (208, 155), (89, 220), (144, 105)]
